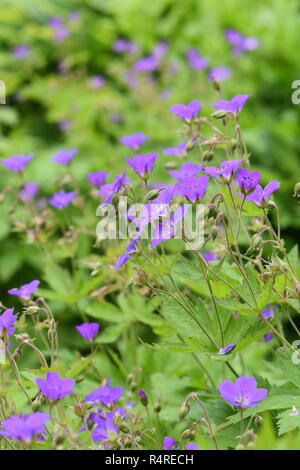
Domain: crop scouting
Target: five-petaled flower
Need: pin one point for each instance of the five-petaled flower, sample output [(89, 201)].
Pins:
[(64, 157), (187, 112), (26, 428), (17, 162), (226, 171), (62, 199), (55, 387), (248, 180), (114, 188), (106, 394), (169, 443), (97, 178), (88, 330), (134, 141), (186, 170), (143, 164), (25, 291), (233, 106), (193, 187), (243, 393), (260, 196), (7, 321)]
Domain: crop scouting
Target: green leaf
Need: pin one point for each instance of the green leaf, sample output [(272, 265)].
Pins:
[(111, 333), (284, 362), (106, 311), (286, 422)]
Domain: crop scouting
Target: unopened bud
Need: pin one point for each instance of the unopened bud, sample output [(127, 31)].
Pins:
[(219, 114), (143, 398), (36, 405), (171, 165), (190, 145), (208, 156), (153, 194), (32, 309), (184, 411), (297, 190), (271, 205), (80, 409), (188, 434)]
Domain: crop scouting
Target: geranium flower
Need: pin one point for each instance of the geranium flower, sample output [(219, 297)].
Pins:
[(26, 428), (143, 164), (260, 196), (248, 180), (117, 186), (241, 43), (195, 60), (187, 112), (218, 74), (7, 321), (169, 443), (193, 187), (134, 141), (21, 51), (88, 330), (97, 178), (166, 229), (62, 199), (29, 191), (132, 248), (106, 394), (25, 291), (97, 82), (186, 170), (64, 157), (17, 162), (227, 349), (243, 393), (178, 151), (54, 387), (234, 106), (226, 171)]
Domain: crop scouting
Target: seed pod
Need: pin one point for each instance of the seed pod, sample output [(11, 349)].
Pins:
[(153, 194)]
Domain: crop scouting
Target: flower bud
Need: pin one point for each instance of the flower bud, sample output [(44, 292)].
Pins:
[(219, 114), (188, 434), (171, 165), (80, 409), (153, 194), (184, 410), (233, 144), (297, 190), (127, 442), (208, 155), (143, 398), (32, 309), (190, 145)]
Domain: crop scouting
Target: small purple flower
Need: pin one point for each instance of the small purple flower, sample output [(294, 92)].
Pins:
[(186, 170), (88, 330), (25, 291), (260, 196), (17, 162), (54, 387), (160, 50), (74, 16), (187, 112), (59, 29), (248, 180), (196, 61), (65, 125), (21, 51), (134, 141), (227, 349), (243, 393), (218, 74), (143, 397), (268, 337), (97, 178), (234, 106), (111, 189), (62, 199), (146, 64), (226, 171), (240, 43), (193, 187), (132, 248), (192, 446), (166, 229), (210, 256), (64, 157), (26, 428), (97, 82), (29, 191), (143, 164), (7, 321), (179, 151), (106, 424), (106, 395), (169, 443), (268, 312), (123, 45)]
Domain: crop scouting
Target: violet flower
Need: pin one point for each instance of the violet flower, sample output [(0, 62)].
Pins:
[(193, 187), (54, 387), (106, 426), (25, 291), (143, 164), (268, 312), (227, 349), (166, 229), (233, 106), (64, 157), (248, 180), (131, 249), (106, 394), (117, 186), (268, 337), (186, 170), (143, 397), (209, 256), (7, 321), (146, 64), (241, 43), (17, 162), (218, 74), (243, 393), (21, 51), (88, 330), (98, 178), (62, 199), (124, 45), (134, 141), (97, 82), (260, 196), (195, 60), (187, 112), (29, 191), (179, 151), (169, 443), (160, 50), (26, 428), (192, 446), (226, 171)]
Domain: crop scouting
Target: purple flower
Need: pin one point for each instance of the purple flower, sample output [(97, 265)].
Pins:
[(227, 349), (146, 64), (234, 106), (166, 229), (117, 186), (226, 171), (268, 337), (241, 43), (143, 397), (25, 428), (193, 187), (97, 178), (260, 196), (160, 50), (134, 141), (248, 180), (196, 61), (65, 125), (169, 443), (25, 291), (54, 387), (210, 256), (106, 424), (123, 45), (192, 447), (29, 191), (21, 51), (7, 320), (143, 164), (97, 82), (64, 157), (62, 199), (88, 330), (17, 162), (268, 312), (186, 170), (243, 393), (218, 74), (179, 151), (74, 16), (132, 248), (106, 395), (59, 29), (187, 112)]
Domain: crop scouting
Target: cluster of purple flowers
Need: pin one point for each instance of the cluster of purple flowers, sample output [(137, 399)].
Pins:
[(240, 43)]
